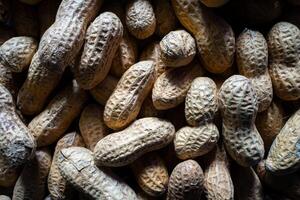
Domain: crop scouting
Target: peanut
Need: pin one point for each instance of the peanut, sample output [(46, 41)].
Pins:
[(50, 124), (214, 36), (217, 180), (57, 49), (32, 182), (125, 102), (178, 48), (214, 3), (283, 157), (171, 87), (4, 197), (252, 60), (76, 164), (140, 18), (57, 185), (102, 39), (186, 181), (92, 126), (238, 105), (284, 51), (7, 80), (151, 174), (142, 136)]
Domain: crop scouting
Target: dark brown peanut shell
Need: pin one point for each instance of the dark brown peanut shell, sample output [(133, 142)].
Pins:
[(103, 90), (284, 52), (142, 136), (238, 105), (171, 87), (76, 164), (252, 61), (92, 126), (217, 180), (125, 102), (284, 154), (102, 39), (32, 182), (50, 124), (57, 185), (57, 49), (214, 36), (214, 3), (186, 181)]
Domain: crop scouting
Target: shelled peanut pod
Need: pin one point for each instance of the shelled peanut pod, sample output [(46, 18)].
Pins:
[(57, 49), (77, 166), (252, 61), (238, 106), (214, 36), (57, 185), (142, 136)]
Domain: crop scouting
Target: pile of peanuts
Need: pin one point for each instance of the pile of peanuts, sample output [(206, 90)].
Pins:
[(149, 99)]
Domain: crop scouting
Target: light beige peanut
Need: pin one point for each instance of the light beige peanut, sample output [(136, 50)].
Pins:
[(57, 49), (171, 87), (238, 105), (102, 39), (284, 52), (17, 145), (186, 181), (103, 90), (201, 102), (214, 36), (217, 180), (125, 102), (283, 157), (191, 142), (17, 52), (50, 124), (142, 136), (178, 48), (140, 18), (4, 197), (57, 185), (252, 61), (32, 182), (77, 166), (92, 126), (214, 3), (151, 174)]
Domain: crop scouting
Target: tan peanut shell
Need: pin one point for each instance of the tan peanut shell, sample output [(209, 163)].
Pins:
[(125, 102), (76, 164), (17, 52), (284, 53), (284, 155), (103, 90), (8, 81), (57, 49), (142, 136), (186, 181), (252, 61), (214, 36), (151, 174), (247, 185), (191, 142), (270, 122), (140, 18), (92, 126), (57, 185), (17, 145), (102, 39), (217, 179), (178, 48), (238, 105), (50, 124), (214, 3), (171, 87), (153, 52), (32, 182), (201, 102)]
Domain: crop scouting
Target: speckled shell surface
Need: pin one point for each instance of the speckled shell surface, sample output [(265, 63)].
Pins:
[(142, 136)]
